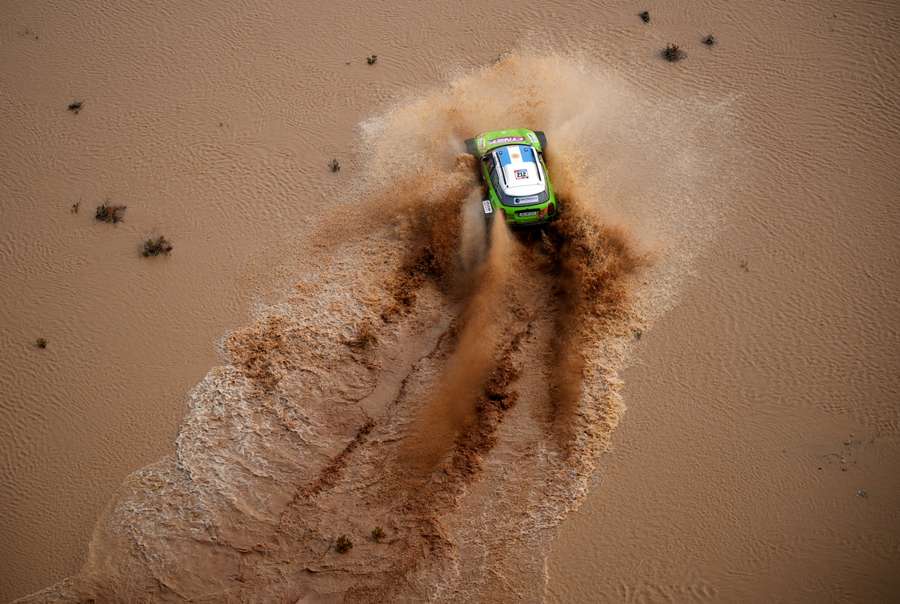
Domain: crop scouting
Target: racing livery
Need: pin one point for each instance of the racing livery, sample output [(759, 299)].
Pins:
[(515, 176)]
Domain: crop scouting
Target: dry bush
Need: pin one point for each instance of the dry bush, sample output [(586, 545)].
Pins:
[(157, 246), (109, 213)]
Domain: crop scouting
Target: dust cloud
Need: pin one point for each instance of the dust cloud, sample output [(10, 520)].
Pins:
[(413, 365)]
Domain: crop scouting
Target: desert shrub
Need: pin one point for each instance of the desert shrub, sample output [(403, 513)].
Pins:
[(364, 338), (109, 213), (673, 53), (157, 246), (343, 544)]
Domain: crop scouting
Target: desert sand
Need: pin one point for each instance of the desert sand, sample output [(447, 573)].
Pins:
[(326, 352)]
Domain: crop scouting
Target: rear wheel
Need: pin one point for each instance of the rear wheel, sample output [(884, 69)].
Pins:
[(542, 139)]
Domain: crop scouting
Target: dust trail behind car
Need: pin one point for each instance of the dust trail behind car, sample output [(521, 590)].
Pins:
[(450, 408), (456, 397)]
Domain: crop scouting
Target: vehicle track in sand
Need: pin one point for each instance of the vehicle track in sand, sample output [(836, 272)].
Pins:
[(420, 400), (455, 396)]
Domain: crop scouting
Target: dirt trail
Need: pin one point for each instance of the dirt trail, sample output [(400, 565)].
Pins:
[(305, 437), (454, 396)]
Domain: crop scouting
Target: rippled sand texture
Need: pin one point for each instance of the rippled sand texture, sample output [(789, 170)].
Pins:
[(397, 372), (758, 457)]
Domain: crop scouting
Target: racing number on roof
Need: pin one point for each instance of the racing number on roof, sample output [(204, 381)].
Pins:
[(521, 174)]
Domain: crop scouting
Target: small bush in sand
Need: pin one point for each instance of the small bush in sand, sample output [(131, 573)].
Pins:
[(645, 16), (75, 106), (106, 212), (76, 206), (377, 534), (365, 337), (157, 246), (41, 343), (673, 53), (371, 59), (709, 40), (335, 165), (343, 544)]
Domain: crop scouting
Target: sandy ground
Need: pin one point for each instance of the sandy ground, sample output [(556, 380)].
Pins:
[(758, 456), (755, 459)]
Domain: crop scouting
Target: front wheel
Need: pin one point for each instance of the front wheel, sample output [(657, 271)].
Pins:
[(542, 139)]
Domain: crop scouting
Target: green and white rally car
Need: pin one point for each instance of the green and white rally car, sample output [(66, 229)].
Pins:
[(515, 175)]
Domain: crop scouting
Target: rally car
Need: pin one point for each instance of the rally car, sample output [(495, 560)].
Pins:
[(515, 176)]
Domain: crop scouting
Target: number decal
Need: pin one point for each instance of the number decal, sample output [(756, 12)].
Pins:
[(486, 204)]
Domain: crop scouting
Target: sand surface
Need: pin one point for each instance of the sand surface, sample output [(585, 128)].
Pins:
[(734, 284)]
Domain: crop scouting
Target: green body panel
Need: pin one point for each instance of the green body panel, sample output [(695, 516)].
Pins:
[(543, 212)]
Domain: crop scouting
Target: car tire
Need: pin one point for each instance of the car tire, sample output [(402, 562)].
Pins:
[(471, 147), (542, 139)]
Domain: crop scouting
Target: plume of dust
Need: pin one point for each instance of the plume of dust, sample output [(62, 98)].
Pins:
[(655, 156), (554, 92), (594, 264), (451, 407), (473, 234), (657, 162)]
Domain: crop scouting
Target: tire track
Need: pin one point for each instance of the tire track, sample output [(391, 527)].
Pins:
[(406, 370)]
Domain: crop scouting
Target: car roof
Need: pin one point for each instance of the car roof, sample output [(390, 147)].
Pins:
[(519, 169)]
